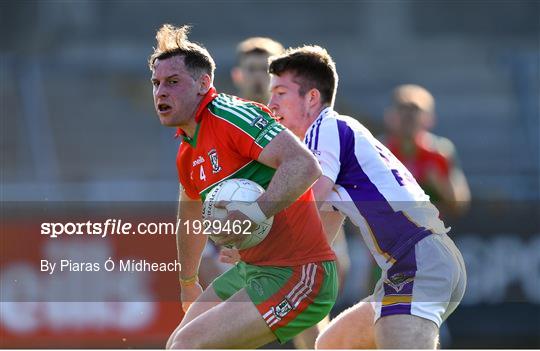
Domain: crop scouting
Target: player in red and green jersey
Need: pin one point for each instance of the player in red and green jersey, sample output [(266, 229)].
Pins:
[(287, 282), (235, 132)]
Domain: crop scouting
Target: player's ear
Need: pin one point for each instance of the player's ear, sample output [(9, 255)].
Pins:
[(314, 97), (205, 82), (237, 76)]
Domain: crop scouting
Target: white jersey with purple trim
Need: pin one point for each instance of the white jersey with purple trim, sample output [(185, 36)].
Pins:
[(372, 187)]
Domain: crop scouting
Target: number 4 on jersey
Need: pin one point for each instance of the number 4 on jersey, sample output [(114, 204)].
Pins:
[(202, 175)]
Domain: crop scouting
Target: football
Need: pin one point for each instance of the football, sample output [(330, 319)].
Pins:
[(237, 190)]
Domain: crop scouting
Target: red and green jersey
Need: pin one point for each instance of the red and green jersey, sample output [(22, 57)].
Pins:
[(230, 135)]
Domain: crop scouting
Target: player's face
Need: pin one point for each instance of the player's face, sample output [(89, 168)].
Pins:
[(288, 105), (254, 78), (176, 92)]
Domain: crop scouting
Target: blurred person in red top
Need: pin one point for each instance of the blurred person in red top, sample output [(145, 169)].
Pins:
[(430, 158)]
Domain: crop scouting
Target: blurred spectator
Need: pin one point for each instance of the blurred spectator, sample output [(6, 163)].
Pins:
[(431, 159)]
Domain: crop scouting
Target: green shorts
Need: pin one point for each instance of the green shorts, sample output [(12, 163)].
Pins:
[(289, 299)]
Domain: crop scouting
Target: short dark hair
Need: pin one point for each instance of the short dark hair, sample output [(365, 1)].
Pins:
[(313, 67), (173, 41)]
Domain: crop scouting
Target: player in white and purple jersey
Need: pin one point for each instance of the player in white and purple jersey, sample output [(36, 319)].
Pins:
[(372, 187), (423, 275)]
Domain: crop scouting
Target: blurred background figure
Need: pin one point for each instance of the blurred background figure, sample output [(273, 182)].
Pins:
[(432, 159), (250, 76)]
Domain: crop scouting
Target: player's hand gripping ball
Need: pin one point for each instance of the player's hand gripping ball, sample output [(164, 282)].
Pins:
[(237, 190)]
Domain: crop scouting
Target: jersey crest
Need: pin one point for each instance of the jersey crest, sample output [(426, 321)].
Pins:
[(214, 161)]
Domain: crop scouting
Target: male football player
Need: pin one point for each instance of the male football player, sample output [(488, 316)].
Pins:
[(286, 283), (423, 275)]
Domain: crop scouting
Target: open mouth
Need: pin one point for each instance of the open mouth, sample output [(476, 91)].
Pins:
[(163, 108)]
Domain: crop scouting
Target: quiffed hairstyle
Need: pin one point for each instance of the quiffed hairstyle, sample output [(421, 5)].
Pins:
[(313, 68), (259, 45), (173, 41)]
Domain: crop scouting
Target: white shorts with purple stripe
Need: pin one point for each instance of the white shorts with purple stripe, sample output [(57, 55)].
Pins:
[(429, 281)]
